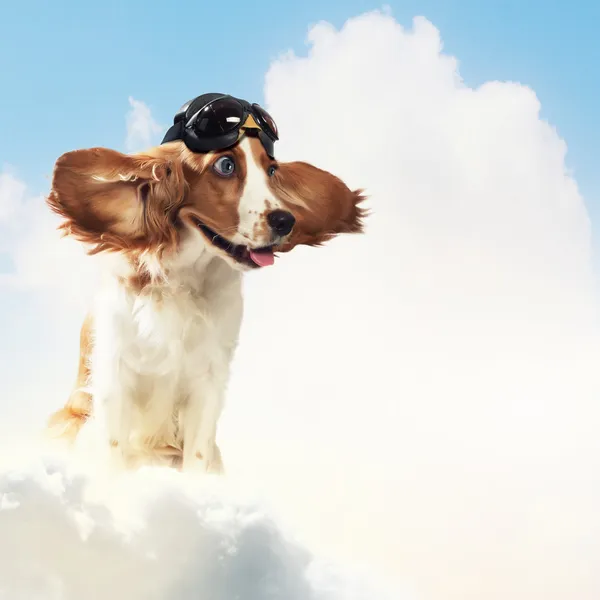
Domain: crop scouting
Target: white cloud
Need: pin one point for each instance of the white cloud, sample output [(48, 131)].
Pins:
[(429, 403), (436, 379), (142, 129), (152, 536), (12, 192), (42, 260)]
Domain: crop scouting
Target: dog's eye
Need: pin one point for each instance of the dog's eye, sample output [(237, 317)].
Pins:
[(271, 170), (225, 166)]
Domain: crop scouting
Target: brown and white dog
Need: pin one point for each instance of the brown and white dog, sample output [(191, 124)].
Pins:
[(180, 229)]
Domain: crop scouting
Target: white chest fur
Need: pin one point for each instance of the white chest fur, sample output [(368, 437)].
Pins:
[(160, 364)]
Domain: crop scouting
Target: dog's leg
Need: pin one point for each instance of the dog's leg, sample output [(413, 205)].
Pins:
[(206, 390), (119, 429), (201, 414), (114, 387), (115, 412), (216, 464)]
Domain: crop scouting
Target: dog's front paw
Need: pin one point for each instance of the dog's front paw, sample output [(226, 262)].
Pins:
[(215, 466), (195, 462), (203, 461)]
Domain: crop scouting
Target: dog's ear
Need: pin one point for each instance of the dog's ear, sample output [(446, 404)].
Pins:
[(321, 202), (115, 201)]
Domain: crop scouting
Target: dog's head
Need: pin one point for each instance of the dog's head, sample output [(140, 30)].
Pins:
[(238, 203)]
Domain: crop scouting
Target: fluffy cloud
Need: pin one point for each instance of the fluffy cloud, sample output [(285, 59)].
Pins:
[(142, 129), (422, 400), (151, 536), (40, 259), (12, 192), (435, 379)]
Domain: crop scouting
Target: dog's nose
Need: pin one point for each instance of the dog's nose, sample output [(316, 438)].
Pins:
[(281, 222)]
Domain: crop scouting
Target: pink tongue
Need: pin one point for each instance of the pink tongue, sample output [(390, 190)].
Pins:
[(264, 258)]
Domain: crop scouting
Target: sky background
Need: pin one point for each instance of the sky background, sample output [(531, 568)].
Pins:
[(68, 70), (435, 412)]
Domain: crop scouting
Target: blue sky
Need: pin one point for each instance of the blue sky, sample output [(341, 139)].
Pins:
[(68, 67)]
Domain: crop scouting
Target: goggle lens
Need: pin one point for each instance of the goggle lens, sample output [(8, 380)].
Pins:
[(219, 117), (267, 120)]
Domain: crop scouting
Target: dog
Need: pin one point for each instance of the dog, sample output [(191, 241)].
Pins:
[(180, 229)]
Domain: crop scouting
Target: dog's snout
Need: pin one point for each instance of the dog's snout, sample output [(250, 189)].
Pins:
[(281, 222)]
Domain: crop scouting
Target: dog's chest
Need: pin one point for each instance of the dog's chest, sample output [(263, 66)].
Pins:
[(164, 339), (163, 335)]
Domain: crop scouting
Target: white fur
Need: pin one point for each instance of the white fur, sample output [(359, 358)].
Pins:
[(256, 199), (160, 362)]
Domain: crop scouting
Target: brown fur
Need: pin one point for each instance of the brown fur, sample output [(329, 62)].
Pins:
[(136, 204), (214, 199), (117, 202), (67, 421), (322, 204)]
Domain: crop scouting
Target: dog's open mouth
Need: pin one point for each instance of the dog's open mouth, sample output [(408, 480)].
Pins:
[(252, 257)]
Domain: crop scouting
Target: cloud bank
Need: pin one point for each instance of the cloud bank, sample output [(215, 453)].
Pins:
[(432, 410), (153, 535), (438, 376)]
